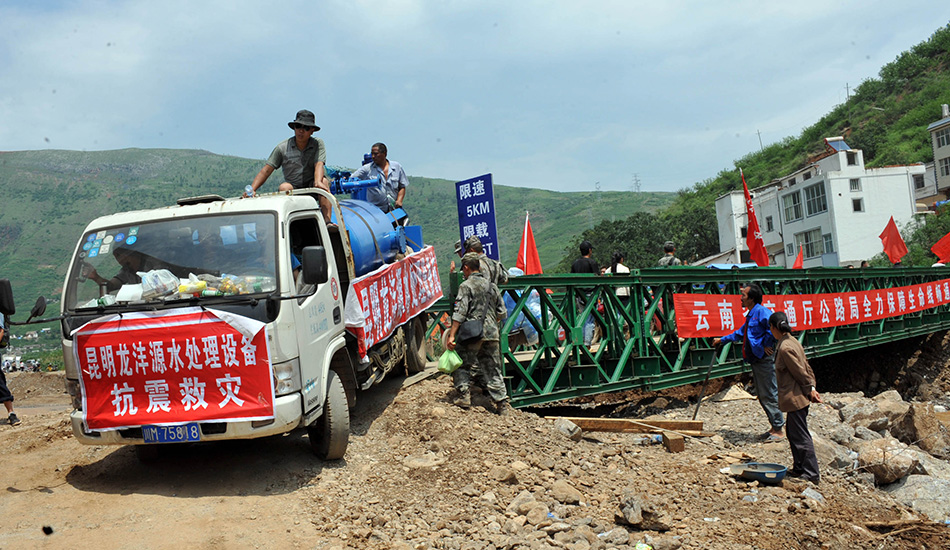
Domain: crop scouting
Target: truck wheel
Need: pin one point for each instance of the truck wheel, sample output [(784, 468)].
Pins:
[(330, 434), (416, 346)]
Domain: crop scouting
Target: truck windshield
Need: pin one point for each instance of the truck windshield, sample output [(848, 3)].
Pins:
[(175, 259)]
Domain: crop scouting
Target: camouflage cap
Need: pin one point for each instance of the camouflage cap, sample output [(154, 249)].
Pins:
[(472, 241), (470, 256), (458, 247)]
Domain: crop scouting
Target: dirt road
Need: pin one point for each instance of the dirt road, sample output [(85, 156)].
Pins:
[(419, 473)]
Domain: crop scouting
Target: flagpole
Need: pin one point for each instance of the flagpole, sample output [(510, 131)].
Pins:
[(524, 241)]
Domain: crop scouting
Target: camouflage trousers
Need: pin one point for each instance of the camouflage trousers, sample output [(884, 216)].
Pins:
[(480, 360)]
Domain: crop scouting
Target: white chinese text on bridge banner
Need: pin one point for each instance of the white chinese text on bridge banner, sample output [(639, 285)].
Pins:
[(171, 367), (710, 315)]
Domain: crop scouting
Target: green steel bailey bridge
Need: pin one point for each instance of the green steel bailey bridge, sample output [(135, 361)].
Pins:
[(638, 344)]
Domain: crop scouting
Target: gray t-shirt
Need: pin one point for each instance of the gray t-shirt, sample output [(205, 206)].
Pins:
[(298, 165)]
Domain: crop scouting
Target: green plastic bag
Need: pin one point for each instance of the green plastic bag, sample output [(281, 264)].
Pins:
[(449, 361)]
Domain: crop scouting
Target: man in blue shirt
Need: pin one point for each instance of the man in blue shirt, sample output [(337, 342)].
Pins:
[(393, 181), (757, 347)]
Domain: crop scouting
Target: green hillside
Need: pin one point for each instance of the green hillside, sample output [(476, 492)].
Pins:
[(49, 197), (887, 117)]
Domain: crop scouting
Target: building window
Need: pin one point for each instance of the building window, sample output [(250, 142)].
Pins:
[(943, 137), (791, 181), (812, 242), (855, 184), (829, 243), (806, 176), (789, 250), (945, 167), (858, 205), (793, 207), (769, 227), (918, 181), (744, 231), (815, 200), (852, 158)]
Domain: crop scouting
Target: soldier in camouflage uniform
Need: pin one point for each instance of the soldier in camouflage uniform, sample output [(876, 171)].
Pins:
[(493, 270), (478, 297)]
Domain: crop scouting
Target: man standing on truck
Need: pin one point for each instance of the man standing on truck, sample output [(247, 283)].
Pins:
[(478, 299), (303, 159), (393, 181)]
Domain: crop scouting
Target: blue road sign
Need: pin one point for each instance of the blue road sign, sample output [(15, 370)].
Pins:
[(476, 202)]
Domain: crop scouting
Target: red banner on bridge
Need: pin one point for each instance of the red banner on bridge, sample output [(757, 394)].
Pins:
[(711, 315), (381, 301), (173, 367)]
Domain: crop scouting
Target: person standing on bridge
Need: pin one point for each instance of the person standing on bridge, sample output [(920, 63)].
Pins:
[(303, 159), (669, 256), (586, 264), (757, 348), (796, 391), (478, 299)]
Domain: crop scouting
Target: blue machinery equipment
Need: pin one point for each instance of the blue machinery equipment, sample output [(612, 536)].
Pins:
[(375, 237)]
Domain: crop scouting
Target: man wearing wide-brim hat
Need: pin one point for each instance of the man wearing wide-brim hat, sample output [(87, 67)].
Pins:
[(302, 158)]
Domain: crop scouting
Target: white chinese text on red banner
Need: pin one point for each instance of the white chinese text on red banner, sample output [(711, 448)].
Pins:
[(711, 315), (381, 301), (172, 367)]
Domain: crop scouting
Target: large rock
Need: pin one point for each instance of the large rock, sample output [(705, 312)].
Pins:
[(565, 493), (637, 511), (520, 505), (830, 454), (875, 413), (886, 458), (840, 400), (919, 426), (924, 494)]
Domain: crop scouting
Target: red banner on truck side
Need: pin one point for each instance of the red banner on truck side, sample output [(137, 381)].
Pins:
[(173, 367), (379, 302), (711, 315)]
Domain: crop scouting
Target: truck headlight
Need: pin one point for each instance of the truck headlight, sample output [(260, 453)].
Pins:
[(286, 379), (75, 393)]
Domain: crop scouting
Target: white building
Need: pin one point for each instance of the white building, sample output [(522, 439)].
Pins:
[(940, 141), (834, 208)]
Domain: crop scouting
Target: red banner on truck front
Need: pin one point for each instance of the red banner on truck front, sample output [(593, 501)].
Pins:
[(173, 367), (381, 301), (710, 315)]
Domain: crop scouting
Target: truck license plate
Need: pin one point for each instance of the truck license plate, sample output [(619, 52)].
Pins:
[(171, 434)]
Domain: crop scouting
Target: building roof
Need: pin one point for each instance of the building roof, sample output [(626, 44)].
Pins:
[(942, 122)]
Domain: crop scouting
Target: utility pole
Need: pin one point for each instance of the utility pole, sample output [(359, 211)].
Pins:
[(636, 183), (847, 90), (760, 140)]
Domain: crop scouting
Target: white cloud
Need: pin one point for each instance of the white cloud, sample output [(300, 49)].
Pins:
[(541, 94)]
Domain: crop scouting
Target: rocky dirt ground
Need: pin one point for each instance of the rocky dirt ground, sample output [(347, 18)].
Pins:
[(420, 473)]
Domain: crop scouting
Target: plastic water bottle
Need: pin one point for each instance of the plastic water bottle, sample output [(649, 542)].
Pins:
[(249, 190)]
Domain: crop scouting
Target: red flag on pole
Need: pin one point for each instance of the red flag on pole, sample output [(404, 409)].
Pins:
[(942, 249), (800, 260), (753, 233), (528, 260), (894, 245)]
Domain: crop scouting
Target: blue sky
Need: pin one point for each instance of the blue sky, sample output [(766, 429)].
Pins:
[(554, 95)]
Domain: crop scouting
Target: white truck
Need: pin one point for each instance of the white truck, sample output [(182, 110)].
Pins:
[(164, 309)]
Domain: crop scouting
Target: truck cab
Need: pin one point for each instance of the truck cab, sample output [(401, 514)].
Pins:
[(269, 261)]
